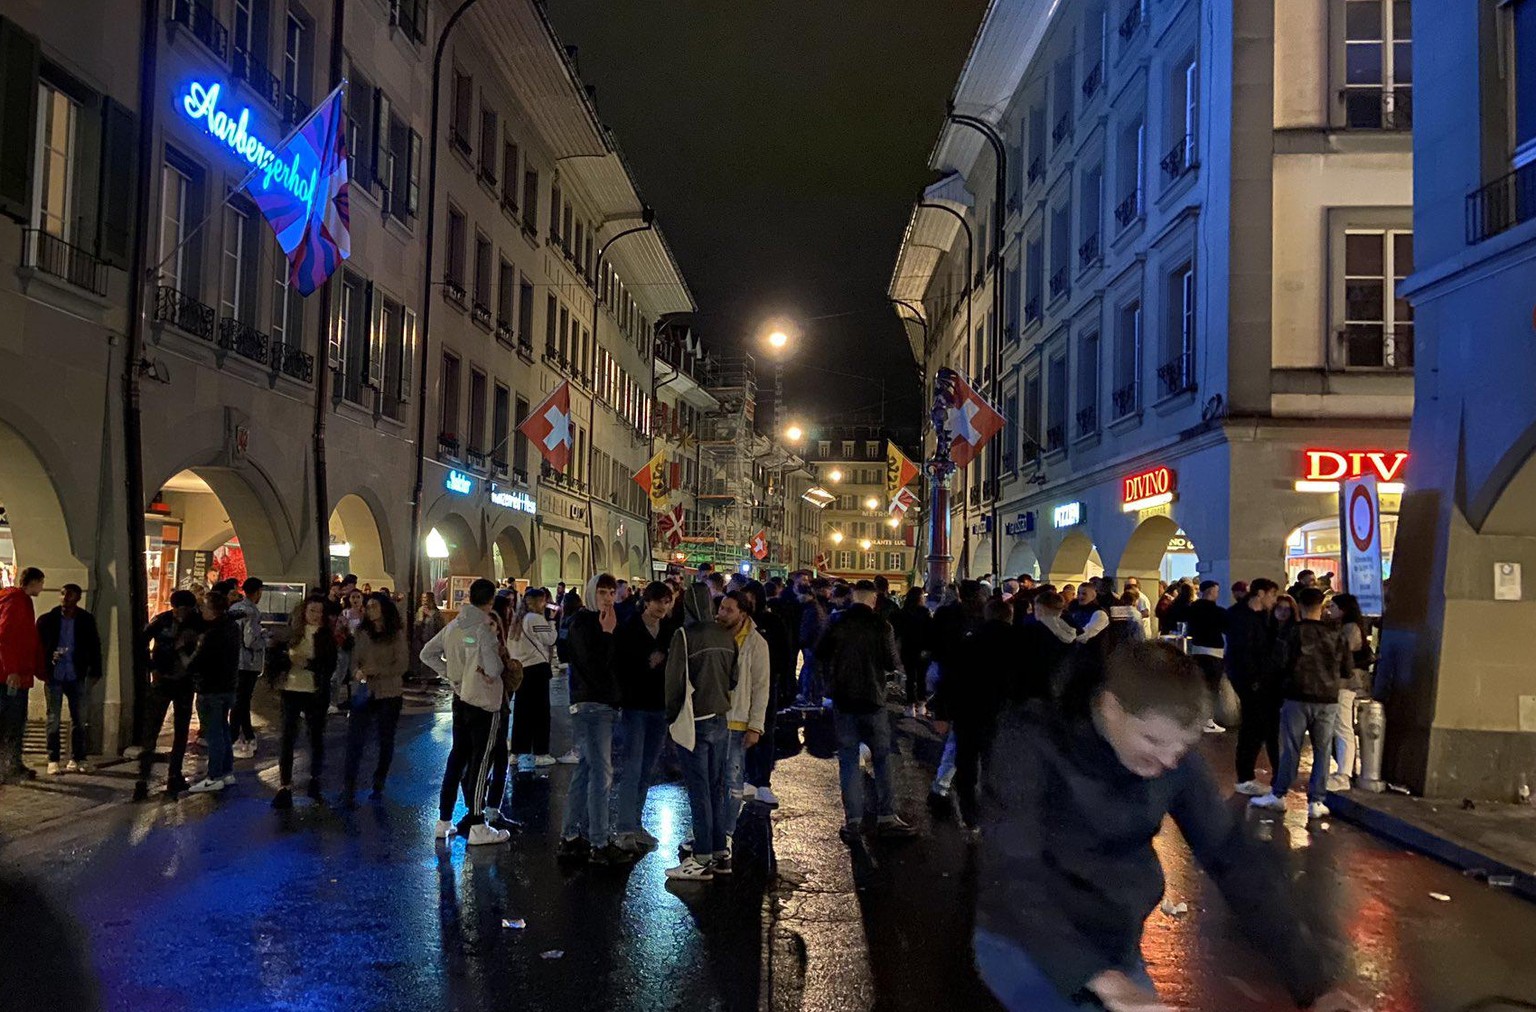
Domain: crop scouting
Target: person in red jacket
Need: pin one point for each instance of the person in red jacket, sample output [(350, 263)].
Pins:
[(21, 663)]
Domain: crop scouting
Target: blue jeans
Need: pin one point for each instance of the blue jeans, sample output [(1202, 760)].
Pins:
[(645, 731), (946, 772), (586, 806), (13, 726), (704, 775), (874, 730), (1019, 984), (57, 693), (1318, 720), (213, 717), (735, 776), (810, 682)]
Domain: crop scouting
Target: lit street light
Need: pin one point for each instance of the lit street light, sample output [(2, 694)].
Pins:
[(835, 475), (794, 433), (865, 544), (892, 522), (837, 537), (778, 339), (871, 503)]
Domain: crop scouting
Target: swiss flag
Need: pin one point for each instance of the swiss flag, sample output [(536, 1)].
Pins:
[(760, 545), (971, 423), (548, 427)]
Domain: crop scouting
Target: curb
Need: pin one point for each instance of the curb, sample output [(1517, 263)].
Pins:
[(1417, 838)]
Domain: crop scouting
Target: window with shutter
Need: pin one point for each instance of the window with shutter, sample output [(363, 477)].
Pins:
[(377, 336), (19, 56), (341, 308), (383, 157), (407, 356), (413, 184), (119, 169)]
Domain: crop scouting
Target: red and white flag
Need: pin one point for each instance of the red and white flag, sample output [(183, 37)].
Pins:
[(548, 427), (760, 545), (670, 525), (905, 499), (971, 422)]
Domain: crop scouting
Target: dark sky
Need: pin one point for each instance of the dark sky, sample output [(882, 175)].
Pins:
[(782, 143)]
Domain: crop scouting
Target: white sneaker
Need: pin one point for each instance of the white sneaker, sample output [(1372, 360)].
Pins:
[(54, 769), (691, 870), (571, 758), (1317, 810), (76, 766), (444, 830), (229, 780), (1252, 788), (1211, 727), (480, 833), (544, 760), (1339, 783), (1268, 800), (206, 786), (866, 757), (245, 750), (765, 796)]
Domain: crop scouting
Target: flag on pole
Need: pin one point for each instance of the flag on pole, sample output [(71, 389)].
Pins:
[(904, 500), (653, 478), (971, 423), (760, 545), (548, 427), (311, 217), (670, 525), (898, 470)]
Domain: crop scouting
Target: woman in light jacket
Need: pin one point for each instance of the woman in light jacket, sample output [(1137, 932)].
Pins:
[(302, 668), (1344, 609), (531, 642), (380, 659)]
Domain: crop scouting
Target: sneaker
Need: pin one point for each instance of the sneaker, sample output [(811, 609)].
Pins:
[(1268, 800), (141, 791), (691, 870), (1211, 727), (866, 758), (571, 758), (283, 799), (612, 855), (548, 760), (765, 796), (444, 829), (77, 766), (938, 792), (721, 865), (229, 780), (54, 769), (480, 833), (1339, 783), (895, 826), (1317, 810), (206, 786), (851, 833), (1252, 788), (500, 820), (574, 849)]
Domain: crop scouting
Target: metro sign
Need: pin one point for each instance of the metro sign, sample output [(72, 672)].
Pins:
[(1149, 488), (1337, 465)]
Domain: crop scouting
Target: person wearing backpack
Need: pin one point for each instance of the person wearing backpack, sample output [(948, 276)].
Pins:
[(253, 650)]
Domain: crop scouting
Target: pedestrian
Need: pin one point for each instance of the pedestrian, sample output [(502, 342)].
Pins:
[(640, 655), (1318, 663), (503, 613), (531, 642), (1087, 613), (1125, 624), (570, 607), (952, 623), (1047, 653), (1205, 630), (1181, 596), (749, 707), (300, 668), (1284, 614), (253, 651), (1142, 604), (1344, 612), (466, 652), (71, 662), (1304, 579), (624, 603), (885, 605), (858, 651), (775, 628), (1253, 666), (429, 622), (380, 658), (971, 694), (814, 619), (1067, 872), (215, 672), (913, 624), (21, 663), (595, 702), (172, 639)]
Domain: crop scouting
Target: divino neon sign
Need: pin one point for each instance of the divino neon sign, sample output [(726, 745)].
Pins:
[(201, 105)]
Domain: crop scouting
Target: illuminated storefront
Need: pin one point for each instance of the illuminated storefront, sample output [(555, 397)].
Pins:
[(1315, 545)]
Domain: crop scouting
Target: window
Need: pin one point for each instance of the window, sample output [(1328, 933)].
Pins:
[(1088, 384), (453, 276), (237, 290), (1061, 250), (463, 111), (531, 199), (1090, 216), (1010, 430), (1132, 158), (823, 448), (474, 429), (1176, 374), (384, 160), (563, 335), (1031, 415), (1378, 64), (404, 196), (551, 319), (1378, 326), (525, 313), (1521, 60), (448, 422), (506, 301), (298, 64), (556, 202), (57, 146), (483, 295), (1127, 359), (488, 136), (894, 562), (181, 203), (1011, 295), (567, 224), (287, 305), (847, 449), (360, 128), (509, 176), (351, 336), (391, 343), (1056, 403), (520, 441), (844, 560), (1034, 280), (1063, 95), (872, 449), (1183, 114), (1036, 168)]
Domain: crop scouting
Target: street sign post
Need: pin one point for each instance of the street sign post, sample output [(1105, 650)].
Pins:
[(1360, 523)]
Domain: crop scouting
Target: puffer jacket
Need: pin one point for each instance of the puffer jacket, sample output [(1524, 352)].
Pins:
[(702, 654), (1318, 663), (468, 654)]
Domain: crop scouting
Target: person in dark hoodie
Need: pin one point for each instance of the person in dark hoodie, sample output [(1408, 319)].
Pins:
[(701, 677), (595, 701), (215, 671), (1072, 800), (71, 661), (772, 626), (172, 639), (640, 652), (1253, 666)]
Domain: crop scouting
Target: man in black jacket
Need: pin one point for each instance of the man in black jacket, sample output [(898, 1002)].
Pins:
[(970, 695), (1068, 874), (215, 671), (172, 640), (71, 661), (775, 630), (858, 653), (595, 701), (1252, 666)]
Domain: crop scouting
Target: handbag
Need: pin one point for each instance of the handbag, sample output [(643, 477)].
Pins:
[(682, 729), (1229, 708)]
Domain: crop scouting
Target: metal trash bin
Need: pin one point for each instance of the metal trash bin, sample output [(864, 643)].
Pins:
[(1373, 733)]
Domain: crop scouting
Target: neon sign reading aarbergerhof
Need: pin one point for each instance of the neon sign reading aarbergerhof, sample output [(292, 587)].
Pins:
[(201, 104)]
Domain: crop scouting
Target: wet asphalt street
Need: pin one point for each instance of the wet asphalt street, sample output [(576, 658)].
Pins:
[(221, 903)]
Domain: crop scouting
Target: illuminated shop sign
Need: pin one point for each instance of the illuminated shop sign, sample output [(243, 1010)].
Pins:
[(1025, 524), (1323, 469), (513, 500), (1068, 514), (1150, 488), (459, 483), (299, 176)]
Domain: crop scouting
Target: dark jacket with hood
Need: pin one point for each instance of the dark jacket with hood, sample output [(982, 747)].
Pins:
[(703, 654), (215, 667), (171, 645), (1318, 662), (1067, 867), (973, 692), (857, 654), (590, 651), (1252, 660)]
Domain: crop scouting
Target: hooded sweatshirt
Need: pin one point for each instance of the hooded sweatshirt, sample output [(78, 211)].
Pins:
[(702, 654), (466, 654), (589, 648)]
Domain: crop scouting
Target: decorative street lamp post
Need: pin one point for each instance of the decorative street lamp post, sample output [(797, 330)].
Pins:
[(940, 468)]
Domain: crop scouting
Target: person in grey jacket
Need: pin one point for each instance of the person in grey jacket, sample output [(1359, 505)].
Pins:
[(701, 676), (253, 651)]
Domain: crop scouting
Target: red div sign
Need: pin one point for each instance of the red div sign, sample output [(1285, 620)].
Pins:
[(1337, 465), (1158, 481)]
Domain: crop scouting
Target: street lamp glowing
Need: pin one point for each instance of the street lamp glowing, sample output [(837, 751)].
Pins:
[(836, 475), (778, 339), (871, 503), (837, 537), (892, 522), (865, 544), (794, 433)]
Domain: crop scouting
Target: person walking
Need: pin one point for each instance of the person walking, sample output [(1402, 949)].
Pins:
[(172, 639), (971, 694), (253, 651), (1205, 627), (1318, 664), (429, 622), (595, 702), (1343, 611), (380, 658), (640, 655), (531, 642), (71, 661), (1252, 662), (301, 668), (215, 672), (814, 619), (467, 653), (774, 626), (952, 623), (21, 664), (913, 624), (701, 676), (858, 652), (749, 707)]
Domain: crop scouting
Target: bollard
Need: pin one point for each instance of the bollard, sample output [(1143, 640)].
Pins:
[(1373, 733)]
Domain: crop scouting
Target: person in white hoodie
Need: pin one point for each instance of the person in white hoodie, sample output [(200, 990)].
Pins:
[(467, 653), (749, 704)]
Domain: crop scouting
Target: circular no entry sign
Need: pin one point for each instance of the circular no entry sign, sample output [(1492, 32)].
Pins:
[(1362, 518)]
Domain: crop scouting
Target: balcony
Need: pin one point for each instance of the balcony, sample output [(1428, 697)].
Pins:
[(520, 476), (1063, 128), (1032, 310), (1087, 420), (1036, 169), (499, 465), (447, 445), (1061, 283), (525, 346), (1177, 375), (1129, 210), (200, 20), (1133, 21), (294, 110), (250, 68), (475, 458), (243, 340), (183, 312), (1088, 252), (48, 254), (1502, 204), (1055, 438), (1180, 159), (504, 332), (1377, 108), (410, 19), (294, 362), (1093, 81), (1372, 346), (481, 314), (1126, 399), (453, 291)]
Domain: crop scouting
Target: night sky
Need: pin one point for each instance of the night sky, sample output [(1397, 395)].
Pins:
[(782, 143)]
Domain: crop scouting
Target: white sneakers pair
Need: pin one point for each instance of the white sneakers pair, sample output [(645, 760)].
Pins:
[(1271, 800), (208, 785), (73, 766), (479, 834), (245, 749)]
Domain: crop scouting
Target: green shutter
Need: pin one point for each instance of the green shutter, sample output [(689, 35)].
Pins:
[(18, 120), (119, 169)]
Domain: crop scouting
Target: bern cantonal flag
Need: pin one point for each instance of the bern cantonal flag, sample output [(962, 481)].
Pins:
[(670, 525), (904, 500), (971, 422), (548, 427), (760, 545), (898, 470), (653, 478), (302, 191)]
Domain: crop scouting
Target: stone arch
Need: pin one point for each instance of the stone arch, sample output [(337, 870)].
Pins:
[(637, 565), (515, 556), (1075, 557), (572, 570), (231, 506), (1021, 559), (620, 560), (549, 568), (1143, 554), (981, 557), (463, 550), (39, 525), (355, 522), (599, 555)]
